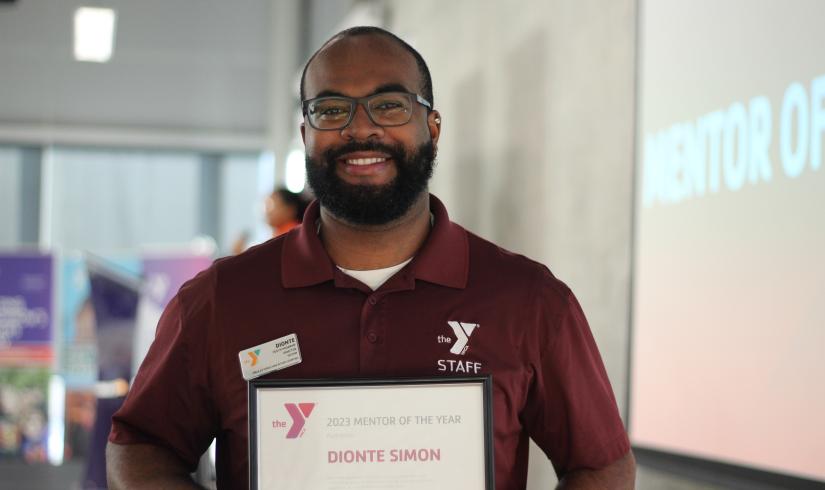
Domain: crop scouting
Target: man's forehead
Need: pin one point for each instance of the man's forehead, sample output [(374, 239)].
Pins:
[(358, 65)]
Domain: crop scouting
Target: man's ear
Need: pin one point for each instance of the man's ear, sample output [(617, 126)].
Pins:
[(304, 133), (434, 124)]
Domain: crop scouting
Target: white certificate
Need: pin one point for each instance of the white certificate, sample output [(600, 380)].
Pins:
[(402, 434)]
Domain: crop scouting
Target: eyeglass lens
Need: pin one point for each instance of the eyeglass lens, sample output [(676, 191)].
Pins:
[(389, 109)]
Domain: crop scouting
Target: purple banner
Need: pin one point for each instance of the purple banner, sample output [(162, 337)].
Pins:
[(164, 275), (26, 319), (114, 299)]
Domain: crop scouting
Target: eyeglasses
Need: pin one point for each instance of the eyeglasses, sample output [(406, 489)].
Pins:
[(383, 109)]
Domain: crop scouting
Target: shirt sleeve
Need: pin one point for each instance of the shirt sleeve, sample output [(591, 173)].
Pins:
[(169, 403), (570, 411)]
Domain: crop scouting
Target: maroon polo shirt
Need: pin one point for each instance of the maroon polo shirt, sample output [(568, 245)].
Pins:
[(549, 382)]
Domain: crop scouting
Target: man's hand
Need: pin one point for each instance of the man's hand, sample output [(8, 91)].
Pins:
[(145, 466), (619, 475)]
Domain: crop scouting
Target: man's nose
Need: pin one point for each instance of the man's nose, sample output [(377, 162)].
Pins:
[(361, 127)]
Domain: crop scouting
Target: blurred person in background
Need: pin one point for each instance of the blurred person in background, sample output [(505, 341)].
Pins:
[(283, 210)]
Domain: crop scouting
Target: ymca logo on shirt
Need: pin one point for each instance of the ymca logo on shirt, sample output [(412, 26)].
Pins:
[(462, 331)]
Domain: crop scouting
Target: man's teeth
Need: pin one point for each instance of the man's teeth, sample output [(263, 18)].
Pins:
[(365, 161)]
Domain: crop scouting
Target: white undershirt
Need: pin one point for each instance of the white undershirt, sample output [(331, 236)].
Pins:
[(376, 277)]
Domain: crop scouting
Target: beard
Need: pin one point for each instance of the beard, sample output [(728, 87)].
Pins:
[(371, 204)]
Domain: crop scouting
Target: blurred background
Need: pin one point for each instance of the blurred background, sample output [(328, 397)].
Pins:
[(663, 157)]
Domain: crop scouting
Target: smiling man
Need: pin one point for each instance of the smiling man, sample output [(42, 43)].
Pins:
[(378, 282)]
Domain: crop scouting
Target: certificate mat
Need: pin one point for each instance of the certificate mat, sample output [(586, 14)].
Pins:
[(401, 434)]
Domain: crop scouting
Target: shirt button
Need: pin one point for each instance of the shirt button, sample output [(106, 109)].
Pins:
[(372, 300), (372, 337)]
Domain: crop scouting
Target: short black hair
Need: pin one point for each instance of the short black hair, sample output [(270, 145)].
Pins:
[(423, 70)]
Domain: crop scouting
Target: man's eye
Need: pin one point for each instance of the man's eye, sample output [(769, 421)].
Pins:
[(328, 112), (389, 106)]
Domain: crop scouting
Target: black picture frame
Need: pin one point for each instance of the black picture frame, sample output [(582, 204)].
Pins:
[(484, 382)]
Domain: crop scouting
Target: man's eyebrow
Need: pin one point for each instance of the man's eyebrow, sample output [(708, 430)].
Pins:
[(388, 87), (329, 93)]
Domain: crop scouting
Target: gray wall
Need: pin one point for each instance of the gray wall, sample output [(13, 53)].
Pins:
[(537, 152)]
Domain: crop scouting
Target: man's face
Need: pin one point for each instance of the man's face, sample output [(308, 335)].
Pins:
[(364, 173)]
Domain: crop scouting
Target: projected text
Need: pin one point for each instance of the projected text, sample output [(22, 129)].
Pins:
[(726, 150)]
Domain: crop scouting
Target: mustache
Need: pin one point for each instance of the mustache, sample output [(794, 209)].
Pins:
[(332, 154)]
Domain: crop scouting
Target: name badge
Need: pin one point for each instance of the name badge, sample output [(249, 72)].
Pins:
[(271, 356)]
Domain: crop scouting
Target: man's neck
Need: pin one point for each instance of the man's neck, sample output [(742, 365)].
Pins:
[(358, 247)]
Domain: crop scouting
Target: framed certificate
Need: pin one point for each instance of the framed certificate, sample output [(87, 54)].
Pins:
[(404, 434)]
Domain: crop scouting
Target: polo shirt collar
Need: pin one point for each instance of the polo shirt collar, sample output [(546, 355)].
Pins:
[(443, 259), (304, 261)]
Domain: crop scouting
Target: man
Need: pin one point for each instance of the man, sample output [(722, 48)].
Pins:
[(369, 284)]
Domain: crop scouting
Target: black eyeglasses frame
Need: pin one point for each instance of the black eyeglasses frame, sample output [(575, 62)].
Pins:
[(363, 101)]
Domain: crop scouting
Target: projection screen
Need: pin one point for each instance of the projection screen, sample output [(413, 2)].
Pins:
[(728, 351)]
